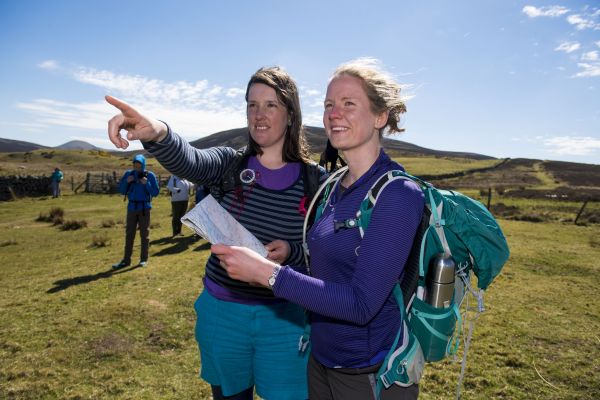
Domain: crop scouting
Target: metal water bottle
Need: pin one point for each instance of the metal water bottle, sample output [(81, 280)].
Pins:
[(440, 281)]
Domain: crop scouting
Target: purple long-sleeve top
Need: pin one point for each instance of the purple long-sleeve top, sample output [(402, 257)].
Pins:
[(354, 316)]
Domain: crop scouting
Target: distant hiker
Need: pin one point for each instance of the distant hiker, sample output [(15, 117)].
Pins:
[(354, 315), (57, 177), (330, 156), (180, 195), (201, 192), (247, 338), (139, 186)]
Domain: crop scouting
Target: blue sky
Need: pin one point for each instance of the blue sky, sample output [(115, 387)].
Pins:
[(498, 77)]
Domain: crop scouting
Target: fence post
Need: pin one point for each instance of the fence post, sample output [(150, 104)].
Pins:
[(87, 182), (580, 211), (489, 200)]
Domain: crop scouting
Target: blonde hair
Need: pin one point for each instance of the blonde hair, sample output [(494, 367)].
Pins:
[(381, 89)]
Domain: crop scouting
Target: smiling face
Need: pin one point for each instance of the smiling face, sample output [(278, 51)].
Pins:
[(349, 122), (267, 116)]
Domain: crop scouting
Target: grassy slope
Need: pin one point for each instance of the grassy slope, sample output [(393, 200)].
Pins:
[(73, 329)]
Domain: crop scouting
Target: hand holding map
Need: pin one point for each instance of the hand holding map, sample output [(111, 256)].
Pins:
[(212, 222)]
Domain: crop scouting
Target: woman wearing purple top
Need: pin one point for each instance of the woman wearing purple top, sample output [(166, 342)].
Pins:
[(354, 315), (247, 337)]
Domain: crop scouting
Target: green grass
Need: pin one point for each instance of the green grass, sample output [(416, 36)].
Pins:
[(74, 163), (441, 165), (73, 329)]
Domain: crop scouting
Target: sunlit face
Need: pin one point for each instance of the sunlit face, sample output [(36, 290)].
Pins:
[(348, 119), (267, 116)]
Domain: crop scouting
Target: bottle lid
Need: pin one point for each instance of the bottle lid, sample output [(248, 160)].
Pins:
[(442, 269)]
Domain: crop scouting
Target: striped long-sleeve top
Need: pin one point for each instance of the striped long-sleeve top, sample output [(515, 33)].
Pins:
[(268, 214), (354, 315)]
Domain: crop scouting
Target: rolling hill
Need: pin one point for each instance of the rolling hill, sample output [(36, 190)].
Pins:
[(236, 138), (317, 139)]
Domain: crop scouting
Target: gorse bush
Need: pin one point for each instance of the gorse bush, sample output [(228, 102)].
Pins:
[(100, 241), (56, 212), (9, 242), (73, 225), (107, 223), (55, 216)]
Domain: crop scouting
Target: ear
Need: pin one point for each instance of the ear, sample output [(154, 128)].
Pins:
[(381, 120)]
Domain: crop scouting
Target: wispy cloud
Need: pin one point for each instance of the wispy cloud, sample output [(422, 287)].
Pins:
[(568, 47), (588, 63), (572, 145), (48, 64), (550, 11), (195, 109), (590, 56), (588, 70), (582, 23)]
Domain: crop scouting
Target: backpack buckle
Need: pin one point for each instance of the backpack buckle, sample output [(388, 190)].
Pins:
[(346, 224)]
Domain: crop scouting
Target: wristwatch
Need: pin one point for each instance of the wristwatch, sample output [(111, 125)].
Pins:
[(273, 276)]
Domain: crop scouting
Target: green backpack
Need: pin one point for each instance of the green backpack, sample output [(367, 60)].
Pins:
[(454, 225)]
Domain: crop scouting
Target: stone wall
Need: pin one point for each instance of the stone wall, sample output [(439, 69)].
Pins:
[(24, 186)]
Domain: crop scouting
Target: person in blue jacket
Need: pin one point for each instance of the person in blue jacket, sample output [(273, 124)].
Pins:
[(57, 177), (139, 186), (354, 315)]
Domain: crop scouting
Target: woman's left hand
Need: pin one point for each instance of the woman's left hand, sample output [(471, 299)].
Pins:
[(279, 251), (244, 264)]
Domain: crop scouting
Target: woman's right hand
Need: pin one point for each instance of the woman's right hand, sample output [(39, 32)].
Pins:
[(138, 126)]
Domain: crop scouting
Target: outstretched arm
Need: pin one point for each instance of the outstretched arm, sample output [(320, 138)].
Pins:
[(138, 126)]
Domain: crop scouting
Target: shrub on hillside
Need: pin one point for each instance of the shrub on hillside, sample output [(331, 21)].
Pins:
[(73, 225), (107, 223), (100, 241), (55, 216), (9, 242)]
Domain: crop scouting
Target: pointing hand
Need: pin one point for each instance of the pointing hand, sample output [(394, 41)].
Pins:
[(138, 126)]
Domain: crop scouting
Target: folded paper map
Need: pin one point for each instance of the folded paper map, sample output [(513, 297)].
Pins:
[(212, 222)]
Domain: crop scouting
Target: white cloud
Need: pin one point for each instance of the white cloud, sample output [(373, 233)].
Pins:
[(550, 11), (235, 92), (572, 145), (48, 64), (598, 43), (194, 109), (581, 22), (590, 56), (568, 47), (588, 70)]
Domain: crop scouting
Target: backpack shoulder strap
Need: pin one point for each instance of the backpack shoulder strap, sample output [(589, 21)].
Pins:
[(230, 178), (311, 177), (326, 189)]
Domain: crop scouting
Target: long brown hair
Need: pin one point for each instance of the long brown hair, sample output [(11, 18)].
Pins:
[(295, 146)]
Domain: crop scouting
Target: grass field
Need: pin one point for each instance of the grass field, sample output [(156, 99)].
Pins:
[(73, 329)]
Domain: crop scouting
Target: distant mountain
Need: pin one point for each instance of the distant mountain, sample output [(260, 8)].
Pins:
[(236, 138), (10, 146), (317, 139), (14, 146), (77, 145)]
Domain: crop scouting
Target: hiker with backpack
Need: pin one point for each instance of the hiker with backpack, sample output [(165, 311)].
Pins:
[(139, 186), (247, 337), (354, 315)]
